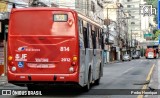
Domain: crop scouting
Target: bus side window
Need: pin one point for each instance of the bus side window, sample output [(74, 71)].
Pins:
[(102, 38), (90, 36), (94, 39), (97, 38), (85, 37), (81, 39)]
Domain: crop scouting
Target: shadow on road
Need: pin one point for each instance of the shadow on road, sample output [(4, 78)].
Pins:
[(57, 91)]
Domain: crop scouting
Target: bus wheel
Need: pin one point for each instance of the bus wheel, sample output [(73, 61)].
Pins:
[(88, 86), (99, 78)]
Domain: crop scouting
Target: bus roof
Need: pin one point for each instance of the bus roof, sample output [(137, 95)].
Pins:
[(89, 20), (57, 9), (41, 8)]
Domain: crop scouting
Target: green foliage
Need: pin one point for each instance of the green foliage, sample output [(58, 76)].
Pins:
[(155, 3), (152, 2), (157, 33)]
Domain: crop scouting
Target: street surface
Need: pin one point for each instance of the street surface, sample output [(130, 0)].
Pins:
[(127, 75)]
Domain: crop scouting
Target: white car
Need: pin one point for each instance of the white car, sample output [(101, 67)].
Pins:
[(126, 57)]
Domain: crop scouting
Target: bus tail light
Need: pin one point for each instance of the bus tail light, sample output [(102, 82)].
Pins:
[(73, 63), (10, 58), (75, 58), (12, 63)]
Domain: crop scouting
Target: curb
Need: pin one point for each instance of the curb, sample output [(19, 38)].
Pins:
[(114, 62), (3, 80), (2, 83)]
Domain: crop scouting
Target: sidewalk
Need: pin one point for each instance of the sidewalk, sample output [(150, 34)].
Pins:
[(155, 78), (3, 80), (117, 61)]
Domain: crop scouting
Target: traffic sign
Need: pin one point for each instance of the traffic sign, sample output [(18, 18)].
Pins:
[(147, 35)]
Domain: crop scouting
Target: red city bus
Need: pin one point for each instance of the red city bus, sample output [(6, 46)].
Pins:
[(58, 44), (151, 53)]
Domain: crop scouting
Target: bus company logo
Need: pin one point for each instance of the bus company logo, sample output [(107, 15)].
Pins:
[(23, 48), (26, 48), (20, 57)]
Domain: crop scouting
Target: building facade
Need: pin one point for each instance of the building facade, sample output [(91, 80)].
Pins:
[(115, 20), (91, 8)]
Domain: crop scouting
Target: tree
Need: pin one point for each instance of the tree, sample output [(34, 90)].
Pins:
[(152, 2), (156, 35)]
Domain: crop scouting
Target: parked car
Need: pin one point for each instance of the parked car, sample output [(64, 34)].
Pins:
[(126, 57), (135, 56)]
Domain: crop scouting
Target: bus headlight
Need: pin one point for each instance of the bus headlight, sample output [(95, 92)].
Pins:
[(14, 68)]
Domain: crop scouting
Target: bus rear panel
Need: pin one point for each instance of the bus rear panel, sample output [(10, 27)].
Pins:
[(43, 46)]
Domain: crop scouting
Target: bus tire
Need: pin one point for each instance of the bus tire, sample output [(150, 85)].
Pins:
[(99, 78), (88, 86)]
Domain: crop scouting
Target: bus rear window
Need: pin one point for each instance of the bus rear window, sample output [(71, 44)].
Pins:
[(60, 17), (41, 23)]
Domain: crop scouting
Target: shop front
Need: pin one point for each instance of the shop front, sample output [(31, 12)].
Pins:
[(3, 45)]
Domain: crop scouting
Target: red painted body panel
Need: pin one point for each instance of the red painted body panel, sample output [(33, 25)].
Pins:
[(45, 48), (46, 77)]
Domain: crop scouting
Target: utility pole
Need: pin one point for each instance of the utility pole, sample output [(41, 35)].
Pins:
[(131, 42), (107, 27)]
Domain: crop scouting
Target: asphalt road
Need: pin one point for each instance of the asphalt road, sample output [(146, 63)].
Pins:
[(119, 78)]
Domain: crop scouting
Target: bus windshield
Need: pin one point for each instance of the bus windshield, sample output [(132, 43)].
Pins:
[(42, 23)]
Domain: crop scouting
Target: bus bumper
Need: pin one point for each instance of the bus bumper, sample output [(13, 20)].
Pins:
[(14, 77)]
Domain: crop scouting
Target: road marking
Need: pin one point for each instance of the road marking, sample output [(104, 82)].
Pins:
[(127, 70), (147, 79)]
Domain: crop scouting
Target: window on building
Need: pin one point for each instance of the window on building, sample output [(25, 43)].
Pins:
[(132, 22), (129, 0), (92, 6), (133, 16), (130, 6), (77, 3)]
